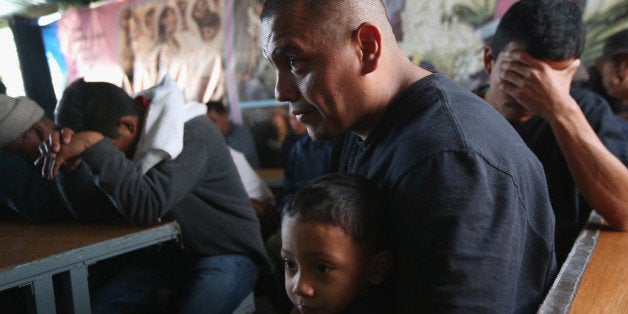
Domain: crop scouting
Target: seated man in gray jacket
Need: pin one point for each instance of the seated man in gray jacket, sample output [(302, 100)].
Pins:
[(221, 253)]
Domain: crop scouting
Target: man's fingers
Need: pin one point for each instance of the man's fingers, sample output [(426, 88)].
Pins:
[(56, 165), (54, 141), (573, 67), (67, 134), (514, 75), (45, 166), (39, 161), (509, 88), (53, 166)]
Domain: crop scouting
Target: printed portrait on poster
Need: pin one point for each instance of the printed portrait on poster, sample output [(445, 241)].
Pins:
[(181, 38)]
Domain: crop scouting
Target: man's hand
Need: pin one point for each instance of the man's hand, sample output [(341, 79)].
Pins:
[(542, 87), (64, 148), (49, 149)]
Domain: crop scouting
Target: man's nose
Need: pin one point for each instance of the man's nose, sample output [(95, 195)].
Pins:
[(286, 89)]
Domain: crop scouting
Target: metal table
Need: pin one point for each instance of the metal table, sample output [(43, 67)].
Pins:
[(30, 254)]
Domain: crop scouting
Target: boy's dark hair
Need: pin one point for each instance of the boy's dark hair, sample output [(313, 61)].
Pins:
[(94, 106), (349, 201), (3, 89), (547, 29), (216, 106)]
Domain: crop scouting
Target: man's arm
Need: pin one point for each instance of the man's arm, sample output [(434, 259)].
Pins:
[(84, 199), (63, 148), (25, 194), (142, 199), (600, 176)]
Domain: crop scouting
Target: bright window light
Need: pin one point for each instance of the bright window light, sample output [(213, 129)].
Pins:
[(10, 72)]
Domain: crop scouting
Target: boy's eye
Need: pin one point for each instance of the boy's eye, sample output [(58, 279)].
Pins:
[(321, 268), (288, 264)]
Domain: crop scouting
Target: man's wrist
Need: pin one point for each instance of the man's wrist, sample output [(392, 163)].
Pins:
[(566, 112), (92, 137)]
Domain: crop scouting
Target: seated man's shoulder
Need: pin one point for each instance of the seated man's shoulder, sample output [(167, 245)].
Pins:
[(240, 130), (201, 131), (201, 125), (601, 117), (589, 101)]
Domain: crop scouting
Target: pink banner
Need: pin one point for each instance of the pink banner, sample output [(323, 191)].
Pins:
[(502, 6), (89, 41), (134, 44)]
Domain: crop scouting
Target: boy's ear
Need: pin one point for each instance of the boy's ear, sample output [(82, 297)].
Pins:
[(380, 266), (129, 124), (369, 40)]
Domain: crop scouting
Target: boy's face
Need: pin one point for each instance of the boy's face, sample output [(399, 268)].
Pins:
[(325, 270)]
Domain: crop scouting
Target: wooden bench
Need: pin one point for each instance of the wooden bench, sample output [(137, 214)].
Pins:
[(594, 278)]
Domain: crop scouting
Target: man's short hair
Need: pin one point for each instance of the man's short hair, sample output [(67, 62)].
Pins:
[(337, 14), (94, 106), (348, 201), (3, 89), (216, 106), (272, 7), (547, 29)]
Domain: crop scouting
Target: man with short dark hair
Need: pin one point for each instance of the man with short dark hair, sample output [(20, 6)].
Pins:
[(237, 136), (473, 229), (612, 74), (531, 63)]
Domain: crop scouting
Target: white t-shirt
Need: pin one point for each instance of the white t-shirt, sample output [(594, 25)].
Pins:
[(255, 187)]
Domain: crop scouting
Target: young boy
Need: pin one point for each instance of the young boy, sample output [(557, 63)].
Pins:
[(335, 246)]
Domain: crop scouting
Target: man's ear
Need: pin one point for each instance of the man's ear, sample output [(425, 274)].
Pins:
[(129, 123), (489, 58), (369, 39), (380, 266)]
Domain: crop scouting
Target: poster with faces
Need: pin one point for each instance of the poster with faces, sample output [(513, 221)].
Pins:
[(181, 38)]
